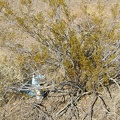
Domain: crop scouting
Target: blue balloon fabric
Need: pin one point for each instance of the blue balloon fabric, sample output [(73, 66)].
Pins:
[(32, 83)]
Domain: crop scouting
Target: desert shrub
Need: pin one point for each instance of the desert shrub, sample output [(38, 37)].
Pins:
[(81, 53)]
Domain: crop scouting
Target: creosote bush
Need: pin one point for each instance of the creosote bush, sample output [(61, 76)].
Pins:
[(77, 52)]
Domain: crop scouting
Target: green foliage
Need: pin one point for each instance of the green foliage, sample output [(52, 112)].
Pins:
[(115, 9), (24, 2)]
